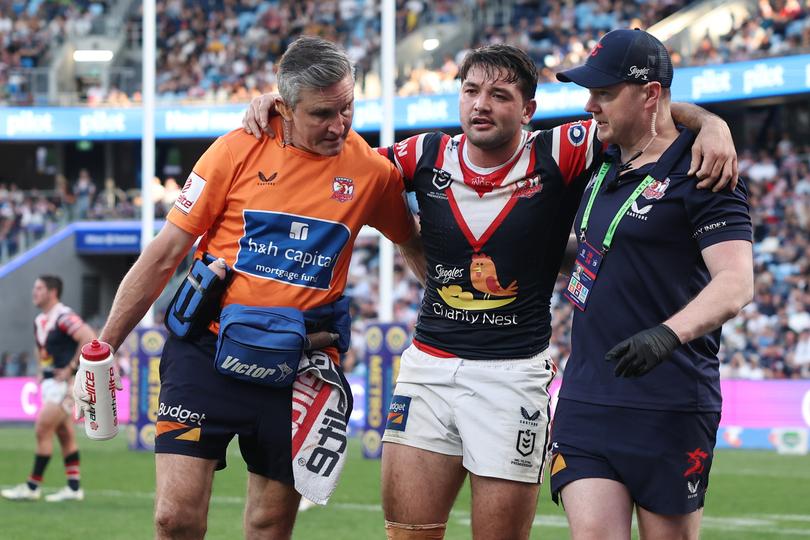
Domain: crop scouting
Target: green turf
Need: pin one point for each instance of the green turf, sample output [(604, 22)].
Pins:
[(753, 495)]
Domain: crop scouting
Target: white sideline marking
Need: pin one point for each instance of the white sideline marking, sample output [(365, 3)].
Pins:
[(719, 471), (766, 523)]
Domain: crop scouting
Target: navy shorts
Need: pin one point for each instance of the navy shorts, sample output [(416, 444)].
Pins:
[(201, 410), (662, 457)]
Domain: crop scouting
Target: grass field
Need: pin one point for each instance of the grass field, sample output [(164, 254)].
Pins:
[(753, 495)]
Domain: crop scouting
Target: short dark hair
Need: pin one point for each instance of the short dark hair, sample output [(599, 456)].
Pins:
[(516, 66), (52, 283)]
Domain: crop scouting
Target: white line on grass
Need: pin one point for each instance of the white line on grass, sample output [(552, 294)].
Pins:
[(760, 473), (766, 523), (787, 517)]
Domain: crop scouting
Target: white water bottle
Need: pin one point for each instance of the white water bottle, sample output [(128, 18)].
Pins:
[(98, 382)]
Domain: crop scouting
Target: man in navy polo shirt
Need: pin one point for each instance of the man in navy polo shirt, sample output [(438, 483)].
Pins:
[(664, 264)]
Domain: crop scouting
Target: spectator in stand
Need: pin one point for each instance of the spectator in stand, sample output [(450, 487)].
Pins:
[(85, 191), (171, 190)]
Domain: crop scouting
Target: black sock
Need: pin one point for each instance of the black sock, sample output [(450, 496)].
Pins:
[(40, 462), (72, 470)]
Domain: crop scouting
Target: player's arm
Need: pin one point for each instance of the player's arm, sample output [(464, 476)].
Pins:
[(145, 281), (414, 255), (731, 287), (256, 121), (714, 158), (39, 364)]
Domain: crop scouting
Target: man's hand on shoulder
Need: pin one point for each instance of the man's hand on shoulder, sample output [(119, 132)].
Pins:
[(714, 158), (256, 121)]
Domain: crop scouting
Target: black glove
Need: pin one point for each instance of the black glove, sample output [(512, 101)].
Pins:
[(640, 353)]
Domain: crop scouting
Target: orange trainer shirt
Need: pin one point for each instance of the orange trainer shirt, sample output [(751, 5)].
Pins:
[(284, 219)]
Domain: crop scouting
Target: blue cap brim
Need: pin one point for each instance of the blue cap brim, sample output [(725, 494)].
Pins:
[(588, 77)]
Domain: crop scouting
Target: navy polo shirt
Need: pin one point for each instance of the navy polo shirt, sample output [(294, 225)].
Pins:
[(653, 269)]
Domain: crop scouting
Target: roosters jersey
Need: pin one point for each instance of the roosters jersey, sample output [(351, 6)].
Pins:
[(53, 332), (284, 219), (493, 238)]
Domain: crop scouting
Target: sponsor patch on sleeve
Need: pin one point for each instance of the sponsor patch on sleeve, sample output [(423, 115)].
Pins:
[(190, 193), (398, 413)]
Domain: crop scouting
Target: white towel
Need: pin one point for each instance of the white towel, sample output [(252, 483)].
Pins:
[(321, 406)]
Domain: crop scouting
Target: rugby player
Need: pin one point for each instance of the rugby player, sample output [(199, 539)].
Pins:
[(58, 332)]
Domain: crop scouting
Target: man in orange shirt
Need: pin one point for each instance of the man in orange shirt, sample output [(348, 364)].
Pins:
[(283, 214)]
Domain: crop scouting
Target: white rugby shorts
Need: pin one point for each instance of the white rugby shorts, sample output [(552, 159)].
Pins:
[(53, 391), (492, 413)]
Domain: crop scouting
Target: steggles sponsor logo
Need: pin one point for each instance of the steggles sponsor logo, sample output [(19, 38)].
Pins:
[(639, 73), (446, 274)]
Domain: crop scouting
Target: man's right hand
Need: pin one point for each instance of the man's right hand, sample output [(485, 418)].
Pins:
[(256, 121), (80, 397)]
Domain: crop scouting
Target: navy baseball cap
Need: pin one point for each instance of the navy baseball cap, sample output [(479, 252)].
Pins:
[(633, 56)]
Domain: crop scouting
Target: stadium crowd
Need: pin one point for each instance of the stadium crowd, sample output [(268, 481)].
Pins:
[(30, 30), (780, 27), (225, 51), (769, 339)]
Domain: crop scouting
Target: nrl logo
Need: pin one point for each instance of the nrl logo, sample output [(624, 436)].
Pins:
[(639, 73), (525, 442), (441, 179)]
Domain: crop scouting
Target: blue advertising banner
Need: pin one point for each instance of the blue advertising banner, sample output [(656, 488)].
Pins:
[(384, 345), (725, 82), (145, 345), (109, 237)]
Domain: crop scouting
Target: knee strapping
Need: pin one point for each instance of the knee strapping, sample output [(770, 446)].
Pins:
[(405, 531)]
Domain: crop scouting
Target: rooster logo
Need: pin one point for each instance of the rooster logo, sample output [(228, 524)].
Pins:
[(485, 278), (695, 459)]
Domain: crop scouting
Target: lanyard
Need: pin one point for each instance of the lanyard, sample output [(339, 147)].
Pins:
[(619, 215)]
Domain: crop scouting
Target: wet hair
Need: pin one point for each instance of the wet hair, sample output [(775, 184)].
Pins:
[(510, 64), (311, 62), (52, 283)]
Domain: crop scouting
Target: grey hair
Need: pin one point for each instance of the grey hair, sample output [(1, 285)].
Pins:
[(311, 62)]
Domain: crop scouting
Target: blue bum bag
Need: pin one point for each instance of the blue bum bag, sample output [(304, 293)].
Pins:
[(196, 302), (261, 345)]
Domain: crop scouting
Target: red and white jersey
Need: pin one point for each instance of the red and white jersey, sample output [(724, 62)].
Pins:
[(54, 333), (494, 238)]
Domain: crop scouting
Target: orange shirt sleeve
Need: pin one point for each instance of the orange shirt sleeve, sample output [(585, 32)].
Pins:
[(203, 196), (391, 215)]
